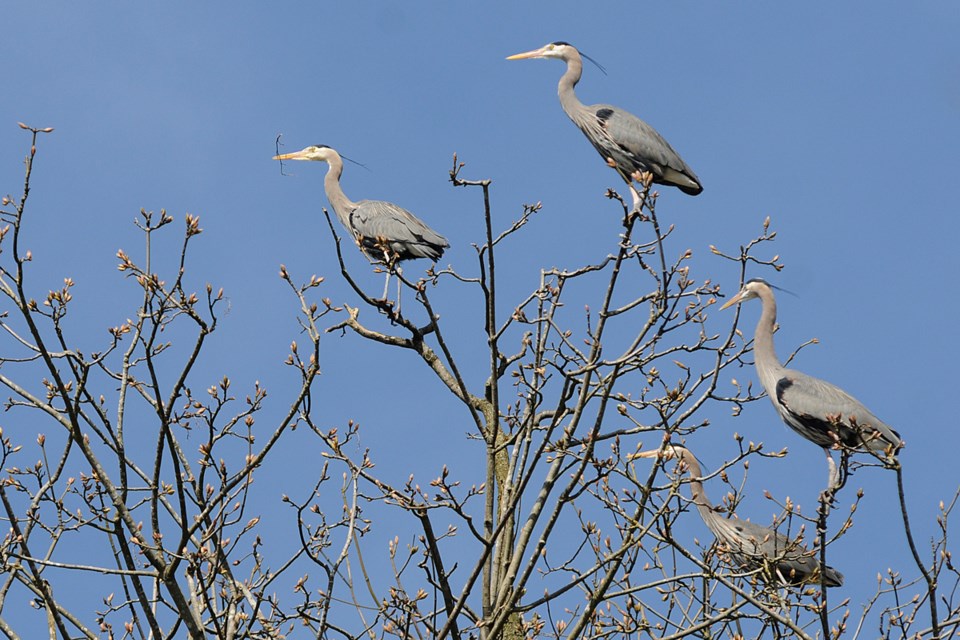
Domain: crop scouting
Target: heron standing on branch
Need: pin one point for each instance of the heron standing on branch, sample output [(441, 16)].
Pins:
[(819, 411), (383, 231), (624, 141), (750, 545)]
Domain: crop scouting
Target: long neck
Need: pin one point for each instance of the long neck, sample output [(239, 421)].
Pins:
[(768, 365), (342, 205), (696, 487), (570, 78)]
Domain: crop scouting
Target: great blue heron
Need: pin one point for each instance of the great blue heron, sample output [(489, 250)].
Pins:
[(624, 141), (748, 544), (819, 411), (384, 231)]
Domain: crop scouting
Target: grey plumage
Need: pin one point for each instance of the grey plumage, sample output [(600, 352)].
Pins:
[(624, 141), (383, 225), (819, 411), (747, 544), (382, 230)]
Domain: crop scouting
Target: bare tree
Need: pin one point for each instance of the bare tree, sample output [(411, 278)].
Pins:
[(159, 524), (145, 487)]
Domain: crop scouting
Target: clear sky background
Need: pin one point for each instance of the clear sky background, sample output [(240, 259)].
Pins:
[(840, 121)]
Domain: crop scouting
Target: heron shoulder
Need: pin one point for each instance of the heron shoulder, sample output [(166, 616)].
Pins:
[(380, 213), (814, 392), (378, 218), (641, 141), (753, 544), (827, 407)]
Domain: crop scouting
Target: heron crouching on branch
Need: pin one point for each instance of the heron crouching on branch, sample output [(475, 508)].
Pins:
[(750, 545), (823, 413), (384, 231), (624, 141)]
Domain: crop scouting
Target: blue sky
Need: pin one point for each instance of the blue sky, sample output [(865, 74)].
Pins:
[(840, 121)]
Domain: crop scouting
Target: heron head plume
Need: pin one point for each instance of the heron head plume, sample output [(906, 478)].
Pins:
[(752, 289), (669, 452), (559, 50), (317, 153)]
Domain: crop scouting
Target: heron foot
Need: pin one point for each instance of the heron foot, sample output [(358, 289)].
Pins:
[(828, 497), (386, 307)]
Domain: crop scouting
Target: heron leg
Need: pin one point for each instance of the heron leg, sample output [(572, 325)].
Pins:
[(399, 289), (828, 495), (386, 285), (833, 477), (637, 200)]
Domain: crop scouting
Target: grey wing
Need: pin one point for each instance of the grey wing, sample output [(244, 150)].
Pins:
[(379, 223), (824, 407), (645, 148), (754, 545)]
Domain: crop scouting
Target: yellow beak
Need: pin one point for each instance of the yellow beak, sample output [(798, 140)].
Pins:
[(536, 53), (296, 155), (729, 303)]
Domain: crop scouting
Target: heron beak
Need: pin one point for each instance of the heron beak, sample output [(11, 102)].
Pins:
[(652, 453), (296, 155), (732, 301), (536, 53)]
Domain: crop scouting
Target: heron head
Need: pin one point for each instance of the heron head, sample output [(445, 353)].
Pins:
[(670, 452), (751, 289), (559, 50), (317, 153)]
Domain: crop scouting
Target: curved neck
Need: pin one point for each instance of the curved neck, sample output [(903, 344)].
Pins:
[(570, 78), (768, 364), (696, 486), (342, 205)]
